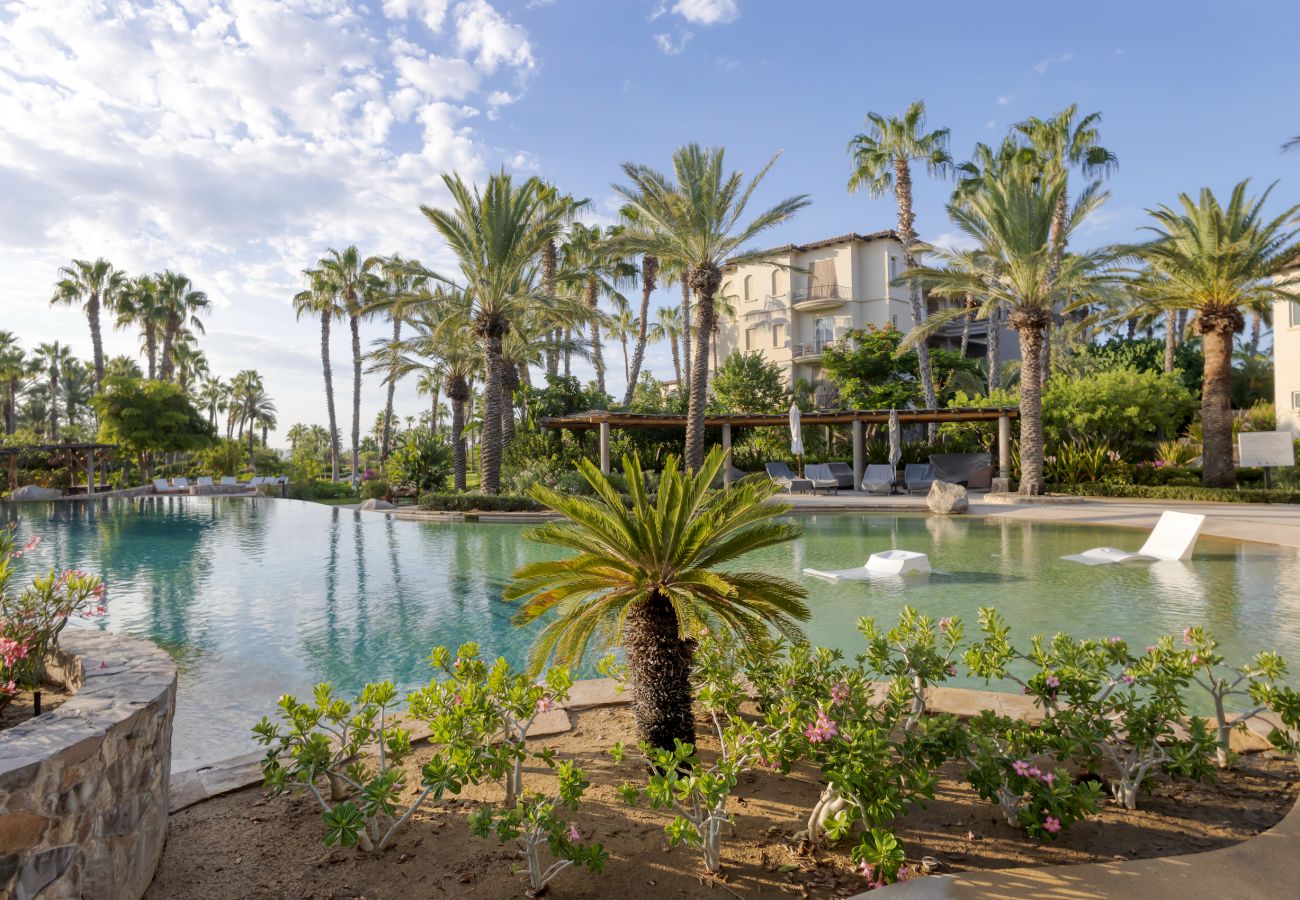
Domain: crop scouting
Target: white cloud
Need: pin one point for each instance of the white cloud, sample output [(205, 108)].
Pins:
[(1004, 100), (954, 240), (707, 12), (673, 45), (1043, 65), (482, 30), (438, 77), (430, 12)]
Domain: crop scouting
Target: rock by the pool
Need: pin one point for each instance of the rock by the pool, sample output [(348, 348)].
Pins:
[(947, 499), (35, 492), (376, 504)]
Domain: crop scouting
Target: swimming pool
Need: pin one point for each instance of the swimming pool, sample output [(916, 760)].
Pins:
[(255, 598)]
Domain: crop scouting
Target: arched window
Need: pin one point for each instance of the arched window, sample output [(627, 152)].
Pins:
[(749, 288), (776, 289)]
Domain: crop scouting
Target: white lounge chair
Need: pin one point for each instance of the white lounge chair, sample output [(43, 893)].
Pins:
[(885, 564), (181, 483), (917, 478), (1174, 537), (256, 481), (822, 478), (781, 473), (878, 479), (203, 481), (160, 486), (228, 481), (843, 473)]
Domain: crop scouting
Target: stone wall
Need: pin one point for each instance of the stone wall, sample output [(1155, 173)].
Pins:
[(84, 789)]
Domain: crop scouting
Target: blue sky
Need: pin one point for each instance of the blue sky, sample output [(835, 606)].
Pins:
[(237, 139)]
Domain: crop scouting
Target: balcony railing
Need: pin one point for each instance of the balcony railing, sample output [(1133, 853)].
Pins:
[(805, 349), (820, 296)]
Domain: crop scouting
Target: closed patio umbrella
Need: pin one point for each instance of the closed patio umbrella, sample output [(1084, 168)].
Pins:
[(895, 443), (796, 434)]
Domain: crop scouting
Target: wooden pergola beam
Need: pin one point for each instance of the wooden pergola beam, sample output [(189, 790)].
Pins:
[(588, 421)]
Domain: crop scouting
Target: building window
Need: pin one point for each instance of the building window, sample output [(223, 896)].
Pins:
[(893, 320), (776, 291), (1295, 399), (893, 268), (1295, 313), (823, 330), (749, 288), (778, 335), (751, 338)]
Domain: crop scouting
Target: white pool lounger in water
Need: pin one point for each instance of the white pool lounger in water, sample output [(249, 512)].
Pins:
[(1174, 537), (885, 564)]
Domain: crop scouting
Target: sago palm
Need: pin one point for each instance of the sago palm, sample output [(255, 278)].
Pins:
[(1219, 261), (94, 286), (696, 221), (647, 574)]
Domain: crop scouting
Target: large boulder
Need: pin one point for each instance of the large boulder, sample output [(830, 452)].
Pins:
[(376, 504), (35, 492), (947, 499)]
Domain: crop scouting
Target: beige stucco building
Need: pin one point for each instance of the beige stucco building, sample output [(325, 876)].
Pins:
[(819, 291), (1286, 364)]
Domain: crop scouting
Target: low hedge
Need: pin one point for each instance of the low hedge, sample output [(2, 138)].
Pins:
[(479, 503), (1177, 492)]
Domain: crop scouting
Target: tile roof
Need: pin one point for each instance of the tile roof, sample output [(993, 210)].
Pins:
[(827, 242)]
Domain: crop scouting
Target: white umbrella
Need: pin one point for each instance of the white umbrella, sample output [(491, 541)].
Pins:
[(796, 431), (895, 442)]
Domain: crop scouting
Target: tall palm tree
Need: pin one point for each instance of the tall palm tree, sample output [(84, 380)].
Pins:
[(623, 325), (645, 574), (497, 235), (668, 327), (319, 299), (592, 267), (50, 360), (122, 367), (401, 282), (697, 222), (882, 164), (673, 272), (1013, 269), (13, 370), (564, 208), (253, 407), (429, 383), (189, 363), (212, 397), (1219, 262), (139, 305), (94, 286), (181, 305), (354, 281), (76, 387), (649, 281)]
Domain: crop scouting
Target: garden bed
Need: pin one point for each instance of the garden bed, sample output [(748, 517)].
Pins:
[(245, 846), (22, 706)]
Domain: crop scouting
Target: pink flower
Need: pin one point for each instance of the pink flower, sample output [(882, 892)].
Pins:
[(944, 624), (820, 730), (1021, 768), (867, 869), (839, 692), (906, 873), (32, 542), (1113, 639), (1053, 681), (1035, 772), (952, 670), (1047, 778), (1151, 648), (1196, 659), (9, 687), (1051, 824), (103, 664), (545, 704), (1187, 635), (1128, 679), (573, 833)]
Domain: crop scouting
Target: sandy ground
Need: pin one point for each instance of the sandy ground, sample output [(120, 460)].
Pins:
[(243, 845), (20, 708)]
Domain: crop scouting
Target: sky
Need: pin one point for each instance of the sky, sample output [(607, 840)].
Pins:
[(237, 140)]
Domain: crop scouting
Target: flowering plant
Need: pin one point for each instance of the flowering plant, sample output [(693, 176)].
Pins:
[(917, 652), (32, 619), (1285, 704), (1225, 683), (534, 822)]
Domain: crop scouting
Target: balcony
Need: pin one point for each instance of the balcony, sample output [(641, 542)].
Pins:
[(820, 296), (810, 351)]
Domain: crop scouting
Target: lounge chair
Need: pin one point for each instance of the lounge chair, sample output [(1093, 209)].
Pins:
[(1173, 538), (970, 470), (782, 475), (203, 481), (228, 481), (879, 478), (917, 478), (885, 564), (843, 473), (181, 483), (160, 486), (255, 481), (822, 478)]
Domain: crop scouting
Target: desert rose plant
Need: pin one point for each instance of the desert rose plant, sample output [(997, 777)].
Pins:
[(918, 651), (1226, 684), (535, 822), (1284, 702)]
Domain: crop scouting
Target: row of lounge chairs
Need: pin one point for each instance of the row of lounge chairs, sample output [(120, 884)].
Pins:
[(182, 485), (973, 470)]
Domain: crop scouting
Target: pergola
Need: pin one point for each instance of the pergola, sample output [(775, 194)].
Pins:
[(857, 418), (88, 448)]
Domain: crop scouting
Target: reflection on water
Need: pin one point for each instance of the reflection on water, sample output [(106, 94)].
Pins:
[(256, 597)]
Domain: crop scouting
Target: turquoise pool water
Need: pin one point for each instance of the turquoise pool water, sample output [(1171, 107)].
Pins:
[(255, 598)]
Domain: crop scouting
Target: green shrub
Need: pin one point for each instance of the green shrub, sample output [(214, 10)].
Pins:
[(420, 461), (319, 490), (1178, 492), (478, 503), (374, 489)]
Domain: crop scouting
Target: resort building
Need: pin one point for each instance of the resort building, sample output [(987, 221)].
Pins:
[(818, 292), (1286, 363)]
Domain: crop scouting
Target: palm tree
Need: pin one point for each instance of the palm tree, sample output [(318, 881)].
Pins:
[(696, 222), (353, 281), (1217, 262), (253, 407), (401, 281), (122, 367), (564, 208), (672, 272), (645, 575), (649, 281), (319, 299), (138, 304), (76, 386), (212, 397), (668, 327), (188, 362), (497, 235), (1060, 143), (882, 164), (1013, 269), (13, 370), (591, 266), (94, 286), (180, 305), (50, 360), (623, 325)]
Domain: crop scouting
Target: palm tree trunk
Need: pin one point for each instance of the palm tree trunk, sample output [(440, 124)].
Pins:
[(329, 395), (1030, 328), (11, 397), (707, 279), (252, 460), (966, 323), (509, 384), (1130, 329), (54, 408), (1182, 325), (355, 324), (392, 386), (649, 273), (677, 361), (1256, 330), (907, 235), (1216, 402), (627, 365), (568, 353), (659, 661), (597, 358), (457, 391), (995, 350), (96, 339), (687, 369), (549, 264), (165, 364), (490, 441), (151, 349), (1171, 339), (433, 411)]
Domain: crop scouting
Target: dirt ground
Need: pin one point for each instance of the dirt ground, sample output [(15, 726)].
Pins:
[(246, 846), (21, 707)]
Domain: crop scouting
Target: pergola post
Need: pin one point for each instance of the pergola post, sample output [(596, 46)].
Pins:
[(604, 447), (90, 472), (858, 455), (726, 452), (1004, 454)]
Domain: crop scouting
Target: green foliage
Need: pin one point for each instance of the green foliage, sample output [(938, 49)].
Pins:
[(478, 503), (870, 373), (748, 383), (225, 457), (1179, 492), (561, 396), (1088, 459), (374, 489), (1147, 355), (1230, 684), (539, 458), (1124, 408), (148, 417), (319, 489), (419, 461), (1284, 702)]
